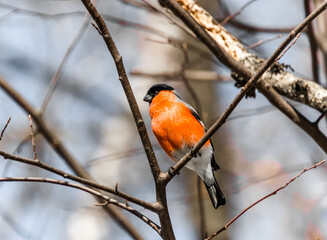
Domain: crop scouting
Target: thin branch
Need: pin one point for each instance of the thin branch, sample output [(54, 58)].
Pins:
[(171, 18), (261, 42), (263, 198), (32, 137), (4, 128), (89, 183), (313, 44), (227, 19), (192, 75), (55, 79), (106, 199), (292, 43)]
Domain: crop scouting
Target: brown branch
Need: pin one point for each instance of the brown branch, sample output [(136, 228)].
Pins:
[(32, 137), (261, 42), (89, 183), (227, 19), (313, 44), (161, 203), (178, 10), (263, 198), (4, 128), (108, 200), (192, 75), (292, 43), (55, 79)]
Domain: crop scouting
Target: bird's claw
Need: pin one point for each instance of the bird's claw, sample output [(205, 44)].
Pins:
[(170, 171)]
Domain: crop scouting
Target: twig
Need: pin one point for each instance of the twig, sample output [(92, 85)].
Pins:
[(313, 44), (89, 183), (32, 137), (227, 19), (91, 191), (260, 42), (4, 128), (263, 198), (192, 75), (55, 79), (292, 43), (171, 18)]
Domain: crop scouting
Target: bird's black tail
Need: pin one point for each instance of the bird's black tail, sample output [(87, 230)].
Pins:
[(216, 195)]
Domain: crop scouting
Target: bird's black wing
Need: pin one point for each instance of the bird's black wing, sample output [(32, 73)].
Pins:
[(214, 164)]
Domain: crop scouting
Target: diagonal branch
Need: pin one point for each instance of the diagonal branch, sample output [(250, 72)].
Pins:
[(263, 198), (4, 128)]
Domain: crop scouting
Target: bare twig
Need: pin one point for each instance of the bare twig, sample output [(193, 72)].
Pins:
[(260, 42), (263, 198), (192, 75), (313, 44), (4, 128), (32, 137), (292, 43), (56, 76), (227, 19), (108, 200)]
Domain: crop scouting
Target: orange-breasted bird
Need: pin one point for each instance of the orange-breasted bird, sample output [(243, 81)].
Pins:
[(178, 127)]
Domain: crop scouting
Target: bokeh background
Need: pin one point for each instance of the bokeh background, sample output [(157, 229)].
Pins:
[(258, 149)]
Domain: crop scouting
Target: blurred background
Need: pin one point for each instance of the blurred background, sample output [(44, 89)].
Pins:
[(258, 149)]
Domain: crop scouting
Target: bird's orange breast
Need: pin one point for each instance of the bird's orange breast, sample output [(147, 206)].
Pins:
[(173, 123)]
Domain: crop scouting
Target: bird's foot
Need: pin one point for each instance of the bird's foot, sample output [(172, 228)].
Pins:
[(170, 171)]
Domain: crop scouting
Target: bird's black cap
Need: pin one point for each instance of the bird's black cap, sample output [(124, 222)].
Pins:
[(154, 90)]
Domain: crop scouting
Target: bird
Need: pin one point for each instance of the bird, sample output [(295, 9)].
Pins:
[(178, 127)]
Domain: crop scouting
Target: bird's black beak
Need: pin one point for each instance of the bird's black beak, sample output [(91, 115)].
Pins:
[(147, 98)]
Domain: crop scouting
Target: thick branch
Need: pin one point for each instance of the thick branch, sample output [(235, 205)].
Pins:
[(227, 46), (262, 69)]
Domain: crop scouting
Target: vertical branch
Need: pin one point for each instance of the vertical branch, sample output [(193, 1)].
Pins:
[(313, 44), (167, 229), (104, 32), (32, 137)]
